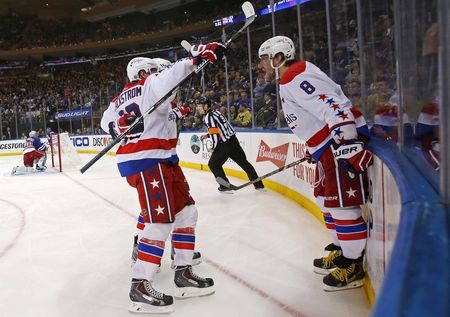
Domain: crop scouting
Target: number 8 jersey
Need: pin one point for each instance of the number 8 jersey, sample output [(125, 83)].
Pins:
[(316, 109)]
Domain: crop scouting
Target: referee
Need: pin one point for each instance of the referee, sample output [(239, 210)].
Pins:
[(225, 145)]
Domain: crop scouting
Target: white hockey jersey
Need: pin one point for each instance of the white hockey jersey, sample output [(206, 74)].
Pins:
[(316, 109), (153, 145)]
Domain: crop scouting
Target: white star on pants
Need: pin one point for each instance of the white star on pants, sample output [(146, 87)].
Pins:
[(351, 192), (155, 183), (159, 210)]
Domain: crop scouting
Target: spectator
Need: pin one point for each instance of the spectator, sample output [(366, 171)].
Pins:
[(258, 91), (243, 118), (267, 112)]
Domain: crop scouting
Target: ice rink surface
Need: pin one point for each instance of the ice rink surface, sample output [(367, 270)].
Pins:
[(66, 239)]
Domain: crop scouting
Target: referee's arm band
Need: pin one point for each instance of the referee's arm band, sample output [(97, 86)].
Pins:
[(213, 131)]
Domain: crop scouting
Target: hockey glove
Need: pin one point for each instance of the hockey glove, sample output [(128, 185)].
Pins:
[(182, 111), (212, 51), (112, 130), (128, 119), (352, 156), (309, 158)]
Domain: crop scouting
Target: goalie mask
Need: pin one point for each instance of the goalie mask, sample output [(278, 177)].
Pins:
[(275, 45), (137, 64)]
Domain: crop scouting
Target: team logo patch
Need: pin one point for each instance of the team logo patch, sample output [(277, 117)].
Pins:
[(276, 155), (195, 143)]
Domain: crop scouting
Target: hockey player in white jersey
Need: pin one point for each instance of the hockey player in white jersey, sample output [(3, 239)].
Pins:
[(318, 112), (146, 159), (176, 114)]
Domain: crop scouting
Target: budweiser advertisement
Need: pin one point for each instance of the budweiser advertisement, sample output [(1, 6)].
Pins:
[(277, 155)]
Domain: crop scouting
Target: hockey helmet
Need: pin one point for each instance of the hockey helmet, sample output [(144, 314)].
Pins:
[(32, 134), (162, 63), (275, 45), (137, 64)]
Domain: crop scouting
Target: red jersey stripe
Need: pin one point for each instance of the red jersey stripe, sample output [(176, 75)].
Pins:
[(143, 145), (318, 137)]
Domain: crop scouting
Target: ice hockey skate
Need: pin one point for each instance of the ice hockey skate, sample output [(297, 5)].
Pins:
[(22, 170), (190, 285), (325, 264), (146, 300), (14, 170), (196, 259), (348, 274), (41, 168)]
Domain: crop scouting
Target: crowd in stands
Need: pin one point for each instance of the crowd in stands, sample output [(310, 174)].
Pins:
[(32, 97), (25, 31)]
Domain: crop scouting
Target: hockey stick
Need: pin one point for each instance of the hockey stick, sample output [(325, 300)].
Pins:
[(250, 16), (223, 182), (187, 46)]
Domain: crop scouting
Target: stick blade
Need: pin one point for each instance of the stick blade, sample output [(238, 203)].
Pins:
[(248, 9), (225, 183), (186, 45)]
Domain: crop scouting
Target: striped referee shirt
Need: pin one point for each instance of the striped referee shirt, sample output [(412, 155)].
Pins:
[(219, 129)]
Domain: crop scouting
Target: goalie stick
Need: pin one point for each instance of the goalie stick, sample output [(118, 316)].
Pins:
[(250, 16), (223, 182)]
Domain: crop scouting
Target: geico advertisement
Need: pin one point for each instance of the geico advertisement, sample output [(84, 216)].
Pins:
[(92, 142)]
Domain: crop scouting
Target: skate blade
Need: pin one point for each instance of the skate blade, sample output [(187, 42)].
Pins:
[(320, 271), (354, 284), (226, 192), (189, 292), (142, 308)]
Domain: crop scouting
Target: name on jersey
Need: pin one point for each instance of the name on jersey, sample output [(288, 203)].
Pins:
[(127, 95)]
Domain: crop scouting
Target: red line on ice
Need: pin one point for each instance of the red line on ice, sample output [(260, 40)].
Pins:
[(19, 232), (290, 310)]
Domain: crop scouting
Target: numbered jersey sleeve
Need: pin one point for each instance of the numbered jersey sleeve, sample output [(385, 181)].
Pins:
[(305, 86)]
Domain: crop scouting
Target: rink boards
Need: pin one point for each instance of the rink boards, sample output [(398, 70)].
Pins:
[(270, 151)]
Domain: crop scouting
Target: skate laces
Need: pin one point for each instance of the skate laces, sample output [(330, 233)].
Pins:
[(195, 276), (328, 260), (342, 274), (151, 291)]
